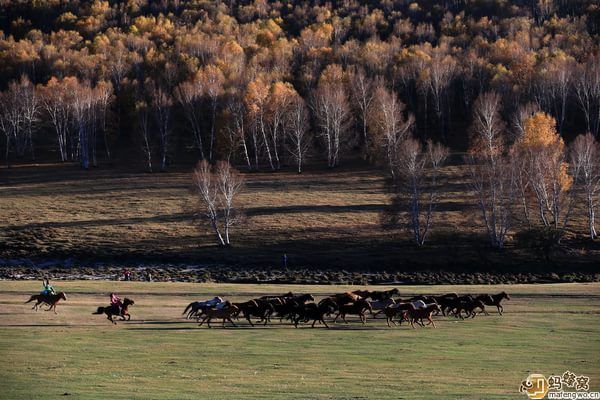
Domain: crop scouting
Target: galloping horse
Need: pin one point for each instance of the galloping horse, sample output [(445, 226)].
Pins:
[(417, 314), (384, 294), (316, 312), (224, 313), (114, 310), (394, 310), (494, 300), (358, 308), (49, 299), (195, 308)]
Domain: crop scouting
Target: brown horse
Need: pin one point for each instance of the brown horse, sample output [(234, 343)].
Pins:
[(113, 309), (345, 298), (417, 314), (384, 294), (494, 300), (224, 314), (256, 308), (394, 310), (359, 308), (49, 299), (315, 312)]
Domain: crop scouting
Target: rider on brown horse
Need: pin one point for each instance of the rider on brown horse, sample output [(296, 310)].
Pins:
[(48, 289), (115, 301)]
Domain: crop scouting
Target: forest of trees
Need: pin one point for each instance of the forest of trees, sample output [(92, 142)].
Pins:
[(265, 84)]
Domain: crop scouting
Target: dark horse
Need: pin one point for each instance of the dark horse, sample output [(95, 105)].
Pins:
[(494, 300), (49, 299), (114, 310)]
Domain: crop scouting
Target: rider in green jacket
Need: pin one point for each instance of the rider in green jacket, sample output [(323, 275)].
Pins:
[(48, 289)]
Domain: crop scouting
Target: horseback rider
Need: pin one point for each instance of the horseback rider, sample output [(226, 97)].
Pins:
[(48, 289), (115, 301)]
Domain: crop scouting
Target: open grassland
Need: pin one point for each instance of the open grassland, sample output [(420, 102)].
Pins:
[(158, 355), (319, 218)]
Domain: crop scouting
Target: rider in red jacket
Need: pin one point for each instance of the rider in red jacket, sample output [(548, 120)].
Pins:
[(115, 301)]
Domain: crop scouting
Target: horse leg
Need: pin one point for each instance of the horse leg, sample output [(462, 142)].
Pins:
[(336, 317), (203, 320), (431, 321), (324, 323), (232, 323), (412, 323), (313, 324), (363, 318), (248, 319), (500, 309), (344, 318)]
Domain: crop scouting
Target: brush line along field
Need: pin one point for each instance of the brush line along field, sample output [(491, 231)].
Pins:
[(546, 329)]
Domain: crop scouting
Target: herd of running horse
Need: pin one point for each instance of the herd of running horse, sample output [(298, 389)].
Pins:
[(299, 308)]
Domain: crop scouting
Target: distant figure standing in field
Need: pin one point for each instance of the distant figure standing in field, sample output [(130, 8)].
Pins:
[(284, 261), (148, 276), (126, 274)]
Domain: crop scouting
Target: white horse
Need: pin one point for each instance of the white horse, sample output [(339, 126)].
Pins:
[(194, 309), (380, 305), (419, 304)]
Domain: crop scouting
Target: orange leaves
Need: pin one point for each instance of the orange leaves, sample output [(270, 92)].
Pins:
[(545, 151), (256, 96), (332, 74), (540, 131)]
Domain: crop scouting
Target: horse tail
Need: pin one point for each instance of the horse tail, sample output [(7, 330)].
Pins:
[(100, 310), (187, 308), (32, 298)]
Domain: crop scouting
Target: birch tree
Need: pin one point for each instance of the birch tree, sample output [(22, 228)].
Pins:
[(491, 170), (143, 117), (190, 94), (161, 109), (213, 81), (236, 127), (56, 100), (585, 155), (418, 173), (332, 112), (545, 161), (387, 125), (587, 92), (362, 93), (217, 190), (298, 139), (256, 101)]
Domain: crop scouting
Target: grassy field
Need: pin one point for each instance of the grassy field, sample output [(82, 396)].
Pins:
[(158, 355), (321, 218)]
